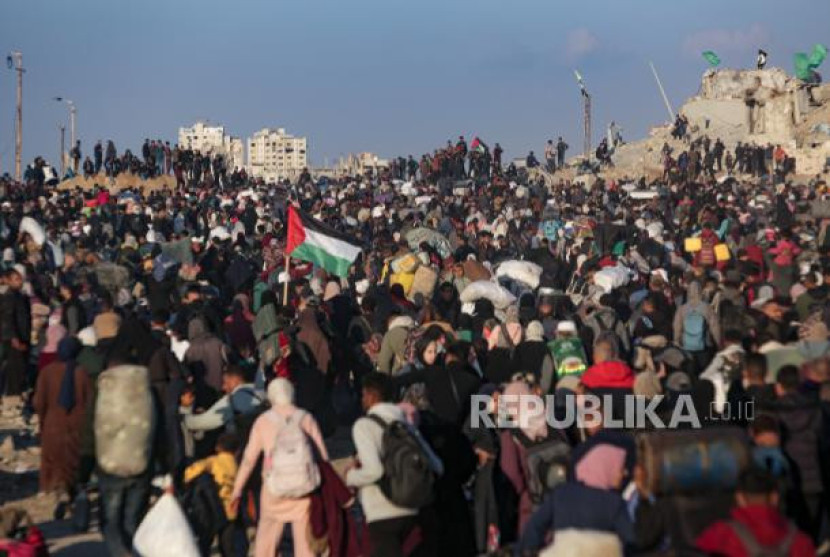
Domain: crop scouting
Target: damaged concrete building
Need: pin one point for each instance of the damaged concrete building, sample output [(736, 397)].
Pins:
[(748, 106)]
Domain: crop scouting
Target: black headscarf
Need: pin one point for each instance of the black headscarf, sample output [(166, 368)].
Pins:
[(68, 349)]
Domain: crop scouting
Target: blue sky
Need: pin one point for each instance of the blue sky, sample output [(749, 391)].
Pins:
[(388, 76)]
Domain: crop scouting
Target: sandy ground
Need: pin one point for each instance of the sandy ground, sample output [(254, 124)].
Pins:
[(19, 463)]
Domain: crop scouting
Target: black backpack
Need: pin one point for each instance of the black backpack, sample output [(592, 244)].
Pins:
[(547, 464), (408, 478)]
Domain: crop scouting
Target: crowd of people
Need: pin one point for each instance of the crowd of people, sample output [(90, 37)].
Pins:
[(157, 158), (169, 333)]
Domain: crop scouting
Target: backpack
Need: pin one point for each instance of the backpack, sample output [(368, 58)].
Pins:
[(694, 330), (754, 549), (598, 322), (124, 421), (266, 328), (546, 464), (408, 478), (242, 423), (292, 471), (203, 508)]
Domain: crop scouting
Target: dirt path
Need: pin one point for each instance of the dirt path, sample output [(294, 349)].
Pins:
[(19, 465)]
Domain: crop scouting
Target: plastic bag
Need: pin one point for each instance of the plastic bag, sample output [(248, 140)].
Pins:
[(164, 532), (525, 272), (500, 296), (33, 228), (610, 278)]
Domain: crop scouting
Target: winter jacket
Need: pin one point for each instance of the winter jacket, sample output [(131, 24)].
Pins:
[(207, 353), (766, 524), (578, 506), (448, 389), (612, 374), (368, 436), (785, 252), (802, 429), (392, 357), (722, 371), (222, 467), (245, 400)]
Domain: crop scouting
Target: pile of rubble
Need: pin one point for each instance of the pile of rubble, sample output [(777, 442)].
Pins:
[(747, 106)]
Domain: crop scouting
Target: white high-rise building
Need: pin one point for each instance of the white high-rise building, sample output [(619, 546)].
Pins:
[(274, 155), (212, 139)]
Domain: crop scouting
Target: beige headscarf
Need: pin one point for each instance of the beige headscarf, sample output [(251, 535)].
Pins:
[(534, 426)]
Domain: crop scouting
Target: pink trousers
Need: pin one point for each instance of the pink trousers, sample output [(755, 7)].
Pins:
[(274, 514)]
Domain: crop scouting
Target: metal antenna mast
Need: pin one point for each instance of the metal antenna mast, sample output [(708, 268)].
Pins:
[(15, 61), (586, 116)]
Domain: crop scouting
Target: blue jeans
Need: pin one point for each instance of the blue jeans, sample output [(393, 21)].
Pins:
[(123, 502)]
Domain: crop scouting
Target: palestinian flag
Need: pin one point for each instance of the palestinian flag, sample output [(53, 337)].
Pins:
[(311, 240), (478, 146)]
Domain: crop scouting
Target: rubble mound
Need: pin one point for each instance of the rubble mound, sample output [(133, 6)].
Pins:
[(125, 180), (747, 106)]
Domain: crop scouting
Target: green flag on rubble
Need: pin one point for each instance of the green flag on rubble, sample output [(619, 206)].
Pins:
[(803, 69), (818, 55), (712, 58), (805, 63)]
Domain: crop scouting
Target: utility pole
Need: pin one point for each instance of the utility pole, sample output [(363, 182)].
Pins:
[(586, 116), (662, 92), (72, 112), (15, 60), (63, 151)]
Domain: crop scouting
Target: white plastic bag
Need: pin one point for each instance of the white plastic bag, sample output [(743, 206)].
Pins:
[(525, 272), (500, 296), (33, 229), (610, 278), (164, 532)]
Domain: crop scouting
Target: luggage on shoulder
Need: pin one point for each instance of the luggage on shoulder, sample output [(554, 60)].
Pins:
[(124, 420), (693, 461)]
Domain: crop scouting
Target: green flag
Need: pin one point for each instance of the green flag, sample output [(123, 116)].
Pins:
[(818, 55), (712, 58), (803, 70)]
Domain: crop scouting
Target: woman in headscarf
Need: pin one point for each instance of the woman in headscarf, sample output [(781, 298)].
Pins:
[(238, 326), (589, 503), (533, 356), (502, 341), (61, 397), (515, 443), (276, 512), (55, 332), (312, 336)]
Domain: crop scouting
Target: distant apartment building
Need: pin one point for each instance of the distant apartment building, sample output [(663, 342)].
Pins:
[(211, 139), (274, 155), (359, 163)]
